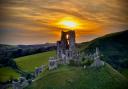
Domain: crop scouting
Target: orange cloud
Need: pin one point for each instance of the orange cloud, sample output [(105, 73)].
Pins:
[(35, 21)]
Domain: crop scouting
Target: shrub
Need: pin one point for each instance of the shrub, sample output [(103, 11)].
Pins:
[(74, 63), (83, 59), (87, 62)]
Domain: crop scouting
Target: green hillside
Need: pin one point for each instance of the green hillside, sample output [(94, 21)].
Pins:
[(124, 72), (113, 47), (7, 73), (28, 63), (67, 77)]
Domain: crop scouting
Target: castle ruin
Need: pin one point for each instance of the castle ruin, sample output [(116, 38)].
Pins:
[(66, 47)]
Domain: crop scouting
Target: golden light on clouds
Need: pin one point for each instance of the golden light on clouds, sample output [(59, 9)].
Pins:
[(69, 23), (40, 21)]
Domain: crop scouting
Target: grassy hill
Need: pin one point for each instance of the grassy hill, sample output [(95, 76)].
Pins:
[(124, 72), (113, 47), (7, 73), (67, 77), (28, 63)]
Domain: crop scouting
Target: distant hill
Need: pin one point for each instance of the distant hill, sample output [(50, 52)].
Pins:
[(9, 52), (113, 48), (68, 77)]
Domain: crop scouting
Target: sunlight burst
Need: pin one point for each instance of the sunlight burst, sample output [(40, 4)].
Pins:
[(68, 23)]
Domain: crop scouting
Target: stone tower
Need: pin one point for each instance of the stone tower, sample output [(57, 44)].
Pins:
[(97, 62), (66, 46), (68, 40)]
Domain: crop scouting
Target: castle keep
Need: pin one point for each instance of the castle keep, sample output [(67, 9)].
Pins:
[(66, 47)]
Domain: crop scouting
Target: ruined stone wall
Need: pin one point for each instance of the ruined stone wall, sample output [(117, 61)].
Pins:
[(66, 46), (71, 40)]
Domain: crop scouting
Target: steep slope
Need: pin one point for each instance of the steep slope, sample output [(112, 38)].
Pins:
[(113, 47), (67, 77)]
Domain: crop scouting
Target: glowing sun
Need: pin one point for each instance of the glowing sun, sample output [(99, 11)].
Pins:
[(68, 23)]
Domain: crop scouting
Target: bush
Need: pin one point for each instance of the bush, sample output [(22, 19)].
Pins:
[(74, 63), (87, 62), (83, 59)]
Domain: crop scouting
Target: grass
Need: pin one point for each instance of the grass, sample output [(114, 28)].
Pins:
[(7, 73), (67, 77), (124, 72), (28, 63)]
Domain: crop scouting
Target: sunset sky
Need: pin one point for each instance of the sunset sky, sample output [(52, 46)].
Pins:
[(37, 21)]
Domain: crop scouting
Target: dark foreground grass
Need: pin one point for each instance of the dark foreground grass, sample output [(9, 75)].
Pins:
[(67, 77), (124, 72)]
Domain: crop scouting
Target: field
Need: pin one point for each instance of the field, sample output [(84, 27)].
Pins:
[(28, 63), (68, 77), (7, 73)]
